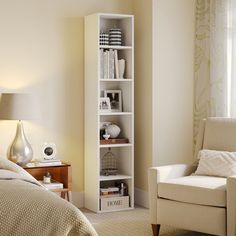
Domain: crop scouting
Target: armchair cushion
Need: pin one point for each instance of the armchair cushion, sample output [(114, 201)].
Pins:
[(202, 190), (220, 134), (216, 163)]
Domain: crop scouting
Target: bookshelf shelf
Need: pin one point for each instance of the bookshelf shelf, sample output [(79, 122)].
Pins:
[(107, 77), (115, 177), (116, 47), (116, 145), (117, 80), (116, 113)]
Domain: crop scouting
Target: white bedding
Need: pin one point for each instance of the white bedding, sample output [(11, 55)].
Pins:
[(27, 208)]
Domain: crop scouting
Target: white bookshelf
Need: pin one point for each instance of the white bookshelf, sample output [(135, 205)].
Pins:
[(94, 87)]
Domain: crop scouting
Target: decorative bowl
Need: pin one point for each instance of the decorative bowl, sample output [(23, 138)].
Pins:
[(113, 130)]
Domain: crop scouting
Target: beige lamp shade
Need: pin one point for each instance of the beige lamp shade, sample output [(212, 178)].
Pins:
[(15, 106)]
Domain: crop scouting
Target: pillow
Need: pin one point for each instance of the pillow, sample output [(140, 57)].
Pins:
[(216, 163)]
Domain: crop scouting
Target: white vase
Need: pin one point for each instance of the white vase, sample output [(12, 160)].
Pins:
[(121, 63)]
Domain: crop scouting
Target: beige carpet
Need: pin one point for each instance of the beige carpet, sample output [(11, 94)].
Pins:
[(130, 223)]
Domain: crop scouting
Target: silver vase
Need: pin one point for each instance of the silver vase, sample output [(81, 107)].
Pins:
[(20, 150)]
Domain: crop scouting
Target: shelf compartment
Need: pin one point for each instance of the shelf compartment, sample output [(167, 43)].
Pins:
[(124, 122), (124, 162), (128, 181), (127, 55), (126, 92), (125, 23)]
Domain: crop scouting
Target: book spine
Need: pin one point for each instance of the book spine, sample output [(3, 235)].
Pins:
[(116, 65), (108, 63), (111, 64), (101, 63), (105, 64)]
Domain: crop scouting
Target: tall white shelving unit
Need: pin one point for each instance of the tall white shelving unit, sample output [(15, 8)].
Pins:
[(94, 87)]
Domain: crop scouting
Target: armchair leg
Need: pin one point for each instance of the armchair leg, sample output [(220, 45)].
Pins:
[(156, 229)]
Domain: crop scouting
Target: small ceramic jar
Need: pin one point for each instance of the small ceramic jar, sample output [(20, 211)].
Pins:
[(47, 178)]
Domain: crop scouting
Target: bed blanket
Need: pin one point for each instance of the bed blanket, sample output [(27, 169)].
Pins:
[(29, 209)]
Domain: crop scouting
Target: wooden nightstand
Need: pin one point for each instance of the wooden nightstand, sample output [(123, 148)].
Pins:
[(61, 173)]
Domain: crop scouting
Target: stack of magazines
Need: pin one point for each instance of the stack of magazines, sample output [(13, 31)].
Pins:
[(109, 68), (39, 163), (53, 185)]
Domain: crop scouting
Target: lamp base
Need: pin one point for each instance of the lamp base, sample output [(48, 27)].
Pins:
[(20, 150)]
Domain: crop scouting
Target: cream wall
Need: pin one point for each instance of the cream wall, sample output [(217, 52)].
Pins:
[(164, 52), (173, 81), (143, 94), (42, 47)]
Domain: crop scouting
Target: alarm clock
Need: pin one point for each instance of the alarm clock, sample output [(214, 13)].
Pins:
[(49, 151)]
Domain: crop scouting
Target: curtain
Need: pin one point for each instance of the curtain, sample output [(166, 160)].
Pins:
[(214, 44), (232, 56)]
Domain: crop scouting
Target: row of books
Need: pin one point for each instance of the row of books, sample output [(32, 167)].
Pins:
[(109, 67), (41, 163), (109, 192)]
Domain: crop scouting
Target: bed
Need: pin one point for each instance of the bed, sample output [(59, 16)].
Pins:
[(28, 208)]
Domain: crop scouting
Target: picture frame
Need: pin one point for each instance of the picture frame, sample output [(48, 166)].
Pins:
[(104, 104), (115, 97)]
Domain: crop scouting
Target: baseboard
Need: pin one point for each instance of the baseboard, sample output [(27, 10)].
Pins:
[(78, 199), (141, 198)]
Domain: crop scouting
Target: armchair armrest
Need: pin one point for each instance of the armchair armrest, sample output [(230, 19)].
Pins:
[(171, 171), (231, 205), (158, 174)]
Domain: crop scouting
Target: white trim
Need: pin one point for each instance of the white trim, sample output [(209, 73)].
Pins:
[(77, 199), (229, 57), (154, 84), (141, 198)]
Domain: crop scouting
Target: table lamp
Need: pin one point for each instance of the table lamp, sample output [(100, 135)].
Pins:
[(15, 106)]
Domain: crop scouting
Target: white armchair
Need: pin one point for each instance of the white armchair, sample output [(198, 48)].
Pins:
[(199, 203)]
